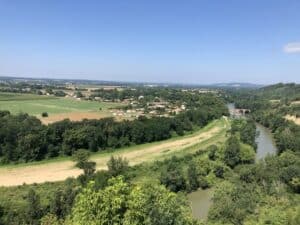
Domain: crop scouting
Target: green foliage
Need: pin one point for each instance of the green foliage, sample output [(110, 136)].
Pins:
[(246, 129), (276, 211), (153, 204), (101, 207), (232, 152), (219, 171), (172, 177), (117, 166), (247, 153), (192, 177), (34, 208), (286, 133), (50, 219), (81, 158), (119, 203), (62, 201), (212, 152), (44, 114), (233, 203)]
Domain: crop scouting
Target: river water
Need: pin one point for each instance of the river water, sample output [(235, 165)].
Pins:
[(265, 142), (201, 200)]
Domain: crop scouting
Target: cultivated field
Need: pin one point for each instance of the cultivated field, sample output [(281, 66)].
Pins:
[(57, 108), (62, 168)]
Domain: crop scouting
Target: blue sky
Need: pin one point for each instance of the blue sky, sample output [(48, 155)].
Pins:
[(158, 41)]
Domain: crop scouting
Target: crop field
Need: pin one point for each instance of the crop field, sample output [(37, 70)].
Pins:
[(57, 108), (61, 168)]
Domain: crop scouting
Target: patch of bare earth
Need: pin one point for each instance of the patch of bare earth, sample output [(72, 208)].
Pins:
[(73, 116), (295, 103), (56, 171), (274, 100), (293, 118)]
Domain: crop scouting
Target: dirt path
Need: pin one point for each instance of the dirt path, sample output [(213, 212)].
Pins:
[(56, 171)]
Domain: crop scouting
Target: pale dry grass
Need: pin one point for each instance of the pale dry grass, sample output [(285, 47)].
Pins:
[(295, 102), (293, 118)]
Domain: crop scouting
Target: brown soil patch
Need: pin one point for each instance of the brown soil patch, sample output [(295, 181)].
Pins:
[(73, 116), (293, 118), (56, 171)]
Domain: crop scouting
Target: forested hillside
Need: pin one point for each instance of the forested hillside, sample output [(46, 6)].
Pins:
[(269, 106)]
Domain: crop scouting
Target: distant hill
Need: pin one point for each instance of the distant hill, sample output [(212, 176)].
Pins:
[(290, 91), (237, 85)]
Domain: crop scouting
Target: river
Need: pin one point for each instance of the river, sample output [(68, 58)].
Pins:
[(265, 142), (201, 200)]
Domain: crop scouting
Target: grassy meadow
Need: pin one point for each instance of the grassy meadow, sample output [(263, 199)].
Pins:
[(60, 108)]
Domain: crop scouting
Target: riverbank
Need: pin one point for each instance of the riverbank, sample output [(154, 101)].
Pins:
[(201, 200)]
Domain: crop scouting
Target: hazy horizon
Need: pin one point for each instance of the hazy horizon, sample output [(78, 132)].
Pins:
[(197, 42), (136, 81)]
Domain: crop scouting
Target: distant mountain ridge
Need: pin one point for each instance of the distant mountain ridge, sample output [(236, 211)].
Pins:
[(237, 85)]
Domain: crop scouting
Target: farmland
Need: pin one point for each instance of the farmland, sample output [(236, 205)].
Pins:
[(57, 108)]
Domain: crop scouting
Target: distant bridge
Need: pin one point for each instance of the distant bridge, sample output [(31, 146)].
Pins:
[(239, 112)]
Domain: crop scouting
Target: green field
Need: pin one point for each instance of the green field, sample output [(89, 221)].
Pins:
[(36, 104)]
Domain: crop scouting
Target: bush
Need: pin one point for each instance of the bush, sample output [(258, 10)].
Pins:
[(203, 183), (219, 171), (44, 114)]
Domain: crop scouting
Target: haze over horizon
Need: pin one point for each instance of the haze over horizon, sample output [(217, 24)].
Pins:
[(200, 42)]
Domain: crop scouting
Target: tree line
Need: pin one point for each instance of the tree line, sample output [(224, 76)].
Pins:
[(23, 138)]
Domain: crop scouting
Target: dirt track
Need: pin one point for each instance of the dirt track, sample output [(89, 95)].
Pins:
[(55, 171)]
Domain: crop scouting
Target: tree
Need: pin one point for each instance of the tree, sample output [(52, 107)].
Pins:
[(63, 199), (154, 205), (212, 150), (219, 171), (81, 158), (232, 203), (117, 166), (34, 208), (79, 94), (103, 207), (192, 177), (50, 219), (1, 214), (120, 203), (232, 152), (173, 178), (44, 114)]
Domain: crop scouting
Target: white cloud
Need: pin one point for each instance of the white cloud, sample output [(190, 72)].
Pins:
[(292, 47)]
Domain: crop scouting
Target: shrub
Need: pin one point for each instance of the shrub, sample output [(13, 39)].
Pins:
[(44, 114)]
